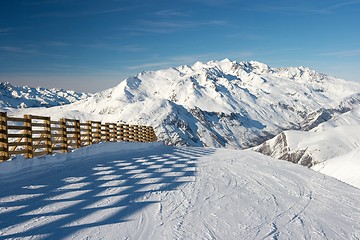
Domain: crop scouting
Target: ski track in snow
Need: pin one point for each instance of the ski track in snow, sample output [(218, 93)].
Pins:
[(178, 193)]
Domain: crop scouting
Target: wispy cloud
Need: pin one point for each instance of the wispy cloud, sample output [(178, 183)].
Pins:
[(171, 13), (112, 47), (149, 65), (5, 31), (298, 9), (100, 46), (347, 53), (131, 48), (245, 36), (172, 61), (58, 44), (81, 13), (211, 2), (28, 51), (42, 2), (152, 26), (11, 49), (340, 5)]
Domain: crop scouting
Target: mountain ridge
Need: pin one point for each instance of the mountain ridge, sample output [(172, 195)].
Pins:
[(332, 138), (219, 103), (12, 96)]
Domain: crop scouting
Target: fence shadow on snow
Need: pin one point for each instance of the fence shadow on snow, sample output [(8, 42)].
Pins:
[(106, 189)]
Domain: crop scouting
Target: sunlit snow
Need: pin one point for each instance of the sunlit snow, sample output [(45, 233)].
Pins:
[(150, 191)]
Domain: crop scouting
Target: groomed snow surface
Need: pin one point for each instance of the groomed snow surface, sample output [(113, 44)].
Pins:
[(151, 191)]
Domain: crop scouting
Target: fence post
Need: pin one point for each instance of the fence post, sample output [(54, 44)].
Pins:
[(120, 132), (48, 134), (89, 131), (96, 131), (126, 132), (138, 133), (63, 133), (107, 132), (98, 128), (143, 133), (135, 131), (131, 133), (4, 146), (114, 132), (77, 133), (147, 135), (28, 134)]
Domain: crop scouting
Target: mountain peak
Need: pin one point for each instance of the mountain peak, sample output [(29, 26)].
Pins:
[(302, 74)]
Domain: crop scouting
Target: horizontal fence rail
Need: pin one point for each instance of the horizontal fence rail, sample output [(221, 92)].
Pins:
[(33, 136)]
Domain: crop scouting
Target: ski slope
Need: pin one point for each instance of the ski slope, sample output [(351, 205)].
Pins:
[(151, 191)]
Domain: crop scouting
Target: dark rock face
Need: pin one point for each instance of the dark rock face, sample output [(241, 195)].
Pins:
[(281, 150)]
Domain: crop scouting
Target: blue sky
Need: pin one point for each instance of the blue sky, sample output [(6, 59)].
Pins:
[(91, 45)]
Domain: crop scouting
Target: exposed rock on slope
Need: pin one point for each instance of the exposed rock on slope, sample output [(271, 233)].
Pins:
[(337, 136)]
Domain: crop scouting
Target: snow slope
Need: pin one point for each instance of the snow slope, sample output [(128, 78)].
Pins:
[(345, 167), (346, 119), (331, 147), (219, 103), (310, 148), (25, 97), (161, 192)]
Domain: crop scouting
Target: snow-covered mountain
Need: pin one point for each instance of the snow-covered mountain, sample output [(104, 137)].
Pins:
[(25, 97), (310, 148), (218, 103), (338, 136)]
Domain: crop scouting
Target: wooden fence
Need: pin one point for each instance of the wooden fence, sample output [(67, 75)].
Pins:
[(37, 135)]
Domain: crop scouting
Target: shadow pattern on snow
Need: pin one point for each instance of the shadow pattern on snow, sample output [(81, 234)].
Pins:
[(101, 189)]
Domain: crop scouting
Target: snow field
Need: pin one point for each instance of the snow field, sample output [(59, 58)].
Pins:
[(109, 191), (345, 167)]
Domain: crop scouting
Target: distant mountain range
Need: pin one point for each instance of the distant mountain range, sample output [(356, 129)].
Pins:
[(307, 117), (218, 103), (24, 97)]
